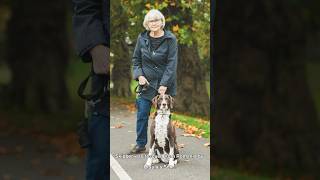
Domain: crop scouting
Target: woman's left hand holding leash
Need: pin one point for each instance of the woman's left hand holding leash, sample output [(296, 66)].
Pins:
[(162, 89)]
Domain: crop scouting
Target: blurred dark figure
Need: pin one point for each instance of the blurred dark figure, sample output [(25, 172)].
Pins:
[(265, 118), (91, 27), (37, 55)]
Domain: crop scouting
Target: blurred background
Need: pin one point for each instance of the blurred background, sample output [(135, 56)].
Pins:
[(39, 76), (40, 73), (267, 91)]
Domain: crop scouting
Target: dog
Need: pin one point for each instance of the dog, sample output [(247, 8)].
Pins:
[(163, 143)]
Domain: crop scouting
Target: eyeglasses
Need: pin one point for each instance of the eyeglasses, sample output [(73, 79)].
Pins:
[(154, 20)]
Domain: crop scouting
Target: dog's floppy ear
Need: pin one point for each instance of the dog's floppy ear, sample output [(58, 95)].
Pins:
[(155, 101), (171, 101)]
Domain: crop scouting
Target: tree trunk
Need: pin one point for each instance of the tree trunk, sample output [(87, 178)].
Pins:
[(37, 54), (265, 117), (192, 94), (121, 71)]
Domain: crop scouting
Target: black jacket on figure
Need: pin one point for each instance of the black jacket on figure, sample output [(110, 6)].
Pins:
[(158, 66), (91, 25), (91, 28)]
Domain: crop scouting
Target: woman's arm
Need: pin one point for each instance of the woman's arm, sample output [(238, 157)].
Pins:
[(88, 27), (171, 67), (136, 61)]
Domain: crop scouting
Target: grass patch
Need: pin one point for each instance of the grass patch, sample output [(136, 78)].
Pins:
[(193, 121)]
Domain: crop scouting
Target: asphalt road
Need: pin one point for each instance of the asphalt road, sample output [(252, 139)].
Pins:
[(29, 159), (194, 166)]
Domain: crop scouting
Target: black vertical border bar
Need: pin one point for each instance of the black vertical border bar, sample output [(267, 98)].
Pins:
[(212, 85)]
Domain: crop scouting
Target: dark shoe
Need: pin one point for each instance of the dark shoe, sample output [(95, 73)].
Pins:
[(136, 149)]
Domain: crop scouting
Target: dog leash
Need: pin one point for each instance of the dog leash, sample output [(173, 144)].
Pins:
[(139, 88), (94, 98)]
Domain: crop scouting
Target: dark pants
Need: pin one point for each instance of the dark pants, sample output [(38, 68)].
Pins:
[(97, 162), (144, 107)]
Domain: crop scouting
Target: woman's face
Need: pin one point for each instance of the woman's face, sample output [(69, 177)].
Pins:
[(155, 24)]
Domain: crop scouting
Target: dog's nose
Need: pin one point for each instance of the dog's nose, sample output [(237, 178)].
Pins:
[(164, 104)]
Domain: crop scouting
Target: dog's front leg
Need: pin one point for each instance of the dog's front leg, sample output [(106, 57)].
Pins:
[(171, 153), (150, 157)]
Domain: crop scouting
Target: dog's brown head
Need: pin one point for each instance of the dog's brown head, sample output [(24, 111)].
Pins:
[(163, 102)]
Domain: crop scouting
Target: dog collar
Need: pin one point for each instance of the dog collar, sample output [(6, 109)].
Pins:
[(163, 112)]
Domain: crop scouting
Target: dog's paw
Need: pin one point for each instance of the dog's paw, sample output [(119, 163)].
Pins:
[(171, 164), (147, 166), (155, 161)]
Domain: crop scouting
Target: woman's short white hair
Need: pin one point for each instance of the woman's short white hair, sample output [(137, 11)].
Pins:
[(152, 15)]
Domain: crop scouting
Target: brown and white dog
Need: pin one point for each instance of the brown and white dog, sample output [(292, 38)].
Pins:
[(163, 144)]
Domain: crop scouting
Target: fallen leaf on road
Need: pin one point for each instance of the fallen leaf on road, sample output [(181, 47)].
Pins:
[(117, 126), (181, 145), (207, 144), (131, 107), (191, 129), (188, 135)]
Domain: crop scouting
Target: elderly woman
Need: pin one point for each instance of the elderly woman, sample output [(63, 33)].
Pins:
[(154, 66)]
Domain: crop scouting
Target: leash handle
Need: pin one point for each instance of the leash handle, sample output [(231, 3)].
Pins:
[(89, 97), (139, 88)]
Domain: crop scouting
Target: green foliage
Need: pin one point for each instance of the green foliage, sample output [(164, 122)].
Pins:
[(189, 20)]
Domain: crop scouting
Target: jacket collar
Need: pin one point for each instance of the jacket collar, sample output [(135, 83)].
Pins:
[(167, 34), (144, 35)]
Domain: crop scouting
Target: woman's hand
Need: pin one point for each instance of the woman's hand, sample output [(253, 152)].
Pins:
[(100, 58), (142, 80), (162, 89)]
